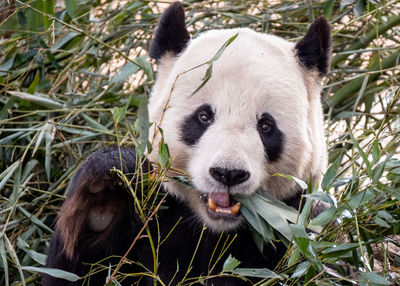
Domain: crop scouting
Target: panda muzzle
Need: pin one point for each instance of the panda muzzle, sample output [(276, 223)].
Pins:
[(221, 203)]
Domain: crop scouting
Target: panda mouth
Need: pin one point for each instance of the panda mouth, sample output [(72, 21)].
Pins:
[(222, 205)]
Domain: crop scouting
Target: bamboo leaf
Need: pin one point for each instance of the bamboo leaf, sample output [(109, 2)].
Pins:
[(371, 278), (38, 98), (230, 264), (222, 49), (4, 260), (301, 269), (60, 43), (143, 126), (303, 243), (7, 173), (330, 174), (53, 272), (50, 132), (14, 256), (71, 8), (35, 220), (362, 154), (38, 257), (260, 273), (127, 70), (34, 84)]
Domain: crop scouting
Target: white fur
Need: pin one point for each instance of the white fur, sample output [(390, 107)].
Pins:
[(257, 73)]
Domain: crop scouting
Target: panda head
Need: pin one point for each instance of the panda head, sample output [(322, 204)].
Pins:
[(258, 115)]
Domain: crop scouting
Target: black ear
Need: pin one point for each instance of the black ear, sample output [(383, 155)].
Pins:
[(171, 34), (314, 50)]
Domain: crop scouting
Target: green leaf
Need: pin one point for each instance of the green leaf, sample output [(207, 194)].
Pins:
[(48, 8), (144, 64), (257, 272), (93, 123), (259, 225), (377, 172), (118, 114), (38, 98), (126, 71), (361, 198), (362, 153), (222, 49), (376, 152), (7, 173), (163, 151), (39, 138), (8, 62), (210, 63), (330, 174), (386, 215), (381, 222), (35, 220), (273, 215), (328, 8), (360, 94), (50, 132), (16, 186), (4, 260), (71, 8), (301, 269), (372, 279), (206, 78), (14, 256), (321, 196), (359, 8), (303, 243), (34, 18), (340, 249), (34, 84), (230, 264), (324, 217), (298, 181), (60, 43), (294, 257), (53, 272), (38, 257), (143, 126)]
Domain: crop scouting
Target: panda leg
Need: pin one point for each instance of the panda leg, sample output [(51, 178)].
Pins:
[(95, 221)]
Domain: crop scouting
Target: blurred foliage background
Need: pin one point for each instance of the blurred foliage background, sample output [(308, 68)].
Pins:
[(65, 64)]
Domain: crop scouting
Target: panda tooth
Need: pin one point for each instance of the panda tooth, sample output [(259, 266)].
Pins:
[(235, 208), (211, 205), (223, 210)]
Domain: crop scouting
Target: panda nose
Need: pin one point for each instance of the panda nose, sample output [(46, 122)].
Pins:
[(229, 177)]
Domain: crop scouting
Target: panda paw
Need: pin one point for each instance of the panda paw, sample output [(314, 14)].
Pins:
[(96, 200)]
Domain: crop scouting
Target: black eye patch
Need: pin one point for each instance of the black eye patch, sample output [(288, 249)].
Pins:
[(194, 125), (271, 137)]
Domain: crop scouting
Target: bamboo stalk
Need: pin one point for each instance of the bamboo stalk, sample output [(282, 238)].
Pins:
[(349, 89), (365, 40)]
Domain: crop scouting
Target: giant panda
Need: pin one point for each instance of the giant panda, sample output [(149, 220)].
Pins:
[(259, 114)]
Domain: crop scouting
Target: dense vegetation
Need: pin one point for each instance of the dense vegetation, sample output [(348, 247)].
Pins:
[(74, 73)]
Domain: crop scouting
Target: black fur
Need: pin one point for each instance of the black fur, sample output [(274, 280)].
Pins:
[(273, 140), (314, 50), (171, 34), (175, 253), (192, 128)]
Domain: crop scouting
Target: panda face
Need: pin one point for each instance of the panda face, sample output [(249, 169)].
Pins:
[(258, 115)]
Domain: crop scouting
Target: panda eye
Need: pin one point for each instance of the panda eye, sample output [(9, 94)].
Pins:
[(266, 124), (266, 127), (204, 117)]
